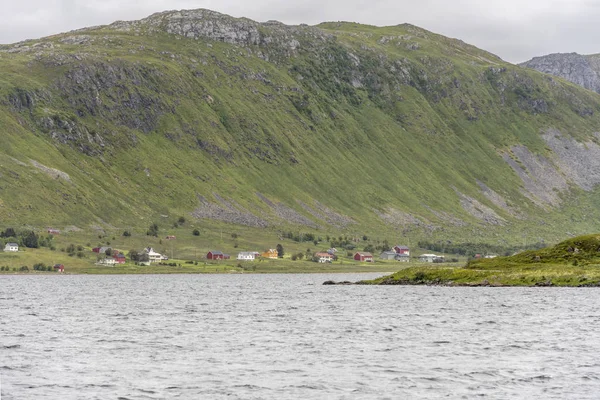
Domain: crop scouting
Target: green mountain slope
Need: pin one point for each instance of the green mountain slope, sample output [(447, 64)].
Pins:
[(340, 127)]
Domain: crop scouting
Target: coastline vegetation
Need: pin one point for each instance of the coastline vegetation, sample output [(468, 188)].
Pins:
[(573, 262)]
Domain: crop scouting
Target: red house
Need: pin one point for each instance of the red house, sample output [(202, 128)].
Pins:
[(363, 256), (402, 250), (215, 255), (120, 258), (96, 249), (59, 267)]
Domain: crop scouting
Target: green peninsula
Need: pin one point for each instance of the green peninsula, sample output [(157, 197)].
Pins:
[(573, 262)]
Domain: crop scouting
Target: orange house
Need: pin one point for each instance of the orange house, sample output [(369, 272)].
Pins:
[(271, 253)]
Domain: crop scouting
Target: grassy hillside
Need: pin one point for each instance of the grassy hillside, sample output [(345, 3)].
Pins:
[(394, 132)]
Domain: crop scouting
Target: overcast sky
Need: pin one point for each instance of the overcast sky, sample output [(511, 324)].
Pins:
[(515, 30)]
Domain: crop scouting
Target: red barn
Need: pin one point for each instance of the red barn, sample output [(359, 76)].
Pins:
[(363, 256), (402, 250), (120, 258), (215, 255), (96, 249)]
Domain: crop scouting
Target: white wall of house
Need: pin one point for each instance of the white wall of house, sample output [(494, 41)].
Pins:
[(11, 247)]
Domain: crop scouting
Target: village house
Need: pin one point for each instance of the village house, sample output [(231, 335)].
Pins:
[(271, 253), (247, 255), (324, 257), (402, 257), (402, 250), (217, 255), (100, 250), (59, 267), (153, 256), (13, 247), (431, 258), (120, 258), (107, 262), (363, 256), (388, 255)]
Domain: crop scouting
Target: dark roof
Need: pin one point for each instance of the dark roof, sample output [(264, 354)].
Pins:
[(216, 252), (12, 244), (402, 247)]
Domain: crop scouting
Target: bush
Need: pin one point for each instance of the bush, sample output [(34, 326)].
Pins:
[(196, 232), (126, 233)]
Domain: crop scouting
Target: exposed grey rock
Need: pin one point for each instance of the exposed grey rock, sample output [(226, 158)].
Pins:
[(287, 214), (542, 182), (579, 69), (578, 161), (52, 172), (324, 213), (479, 210), (226, 212), (497, 199)]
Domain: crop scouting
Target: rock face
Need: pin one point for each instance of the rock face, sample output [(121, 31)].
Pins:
[(579, 69)]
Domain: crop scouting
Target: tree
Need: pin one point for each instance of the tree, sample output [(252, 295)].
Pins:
[(126, 233), (181, 220), (133, 255), (152, 230), (369, 248), (196, 232), (31, 240), (108, 252), (280, 251), (9, 232)]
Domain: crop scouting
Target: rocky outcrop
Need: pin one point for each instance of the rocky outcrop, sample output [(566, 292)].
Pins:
[(579, 69)]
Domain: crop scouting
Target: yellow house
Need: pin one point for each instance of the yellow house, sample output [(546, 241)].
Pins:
[(271, 253)]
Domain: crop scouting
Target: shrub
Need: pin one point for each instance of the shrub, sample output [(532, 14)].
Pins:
[(126, 233), (196, 232)]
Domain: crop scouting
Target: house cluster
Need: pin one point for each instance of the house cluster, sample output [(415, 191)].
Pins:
[(113, 257), (398, 253), (242, 255)]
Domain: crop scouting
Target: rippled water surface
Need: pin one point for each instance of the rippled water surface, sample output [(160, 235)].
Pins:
[(289, 337)]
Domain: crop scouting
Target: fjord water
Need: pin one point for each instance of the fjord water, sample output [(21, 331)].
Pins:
[(289, 337)]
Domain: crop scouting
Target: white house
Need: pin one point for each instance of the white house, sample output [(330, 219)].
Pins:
[(108, 262), (247, 255), (153, 257), (11, 247), (430, 258), (324, 257)]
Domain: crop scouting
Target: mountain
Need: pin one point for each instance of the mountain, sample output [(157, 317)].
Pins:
[(341, 127), (581, 70)]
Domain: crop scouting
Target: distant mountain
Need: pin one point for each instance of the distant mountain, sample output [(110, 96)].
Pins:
[(341, 128), (581, 70)]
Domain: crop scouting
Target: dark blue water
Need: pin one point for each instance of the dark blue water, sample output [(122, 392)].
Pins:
[(289, 337)]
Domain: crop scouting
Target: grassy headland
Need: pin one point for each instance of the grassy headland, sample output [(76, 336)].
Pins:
[(573, 262)]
